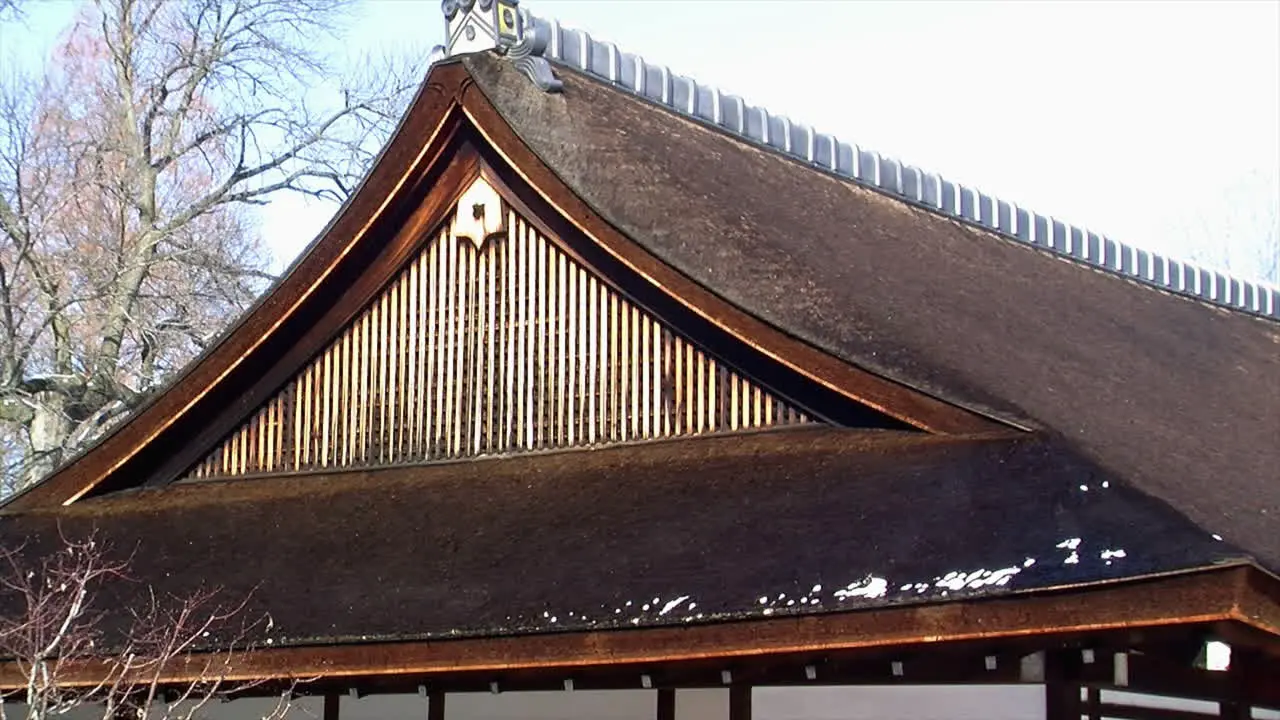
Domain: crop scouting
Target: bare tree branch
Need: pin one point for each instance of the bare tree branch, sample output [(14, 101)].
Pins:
[(53, 628), (129, 171)]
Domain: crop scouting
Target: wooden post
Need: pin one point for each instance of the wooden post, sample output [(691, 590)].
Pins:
[(1234, 710), (1234, 706), (666, 704), (1093, 704), (740, 702), (330, 707), (435, 705), (1062, 687)]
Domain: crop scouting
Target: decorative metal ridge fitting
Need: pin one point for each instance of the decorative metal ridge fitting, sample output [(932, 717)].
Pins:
[(708, 105), (501, 26)]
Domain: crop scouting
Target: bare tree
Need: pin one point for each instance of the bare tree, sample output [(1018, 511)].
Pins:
[(128, 172), (72, 655), (1238, 228)]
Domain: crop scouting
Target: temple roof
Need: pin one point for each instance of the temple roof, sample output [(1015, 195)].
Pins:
[(1071, 425)]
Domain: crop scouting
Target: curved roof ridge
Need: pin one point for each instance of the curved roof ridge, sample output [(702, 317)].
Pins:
[(824, 152)]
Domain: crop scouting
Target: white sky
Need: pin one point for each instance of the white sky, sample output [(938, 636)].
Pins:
[(1155, 123)]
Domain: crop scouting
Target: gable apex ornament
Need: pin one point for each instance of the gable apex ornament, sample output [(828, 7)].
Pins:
[(474, 26), (479, 216)]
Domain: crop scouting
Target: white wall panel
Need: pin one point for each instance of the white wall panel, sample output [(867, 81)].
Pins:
[(710, 704), (592, 705), (378, 707), (303, 708), (991, 702)]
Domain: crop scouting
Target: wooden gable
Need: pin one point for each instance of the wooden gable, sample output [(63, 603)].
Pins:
[(494, 338), (465, 303)]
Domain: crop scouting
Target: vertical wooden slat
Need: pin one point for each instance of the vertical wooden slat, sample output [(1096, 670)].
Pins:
[(492, 338), (733, 401), (644, 363), (570, 317), (625, 391), (426, 335), (478, 333), (558, 283), (655, 372), (298, 401), (461, 292), (414, 364), (309, 417), (349, 378), (580, 391), (436, 342), (510, 413), (450, 337), (704, 407), (637, 364), (615, 370), (716, 384), (396, 350), (364, 367), (535, 327), (380, 351), (593, 360)]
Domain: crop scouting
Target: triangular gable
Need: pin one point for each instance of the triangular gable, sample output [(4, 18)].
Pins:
[(494, 339), (338, 295)]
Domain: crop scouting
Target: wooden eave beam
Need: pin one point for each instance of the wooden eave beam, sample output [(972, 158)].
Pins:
[(1121, 614)]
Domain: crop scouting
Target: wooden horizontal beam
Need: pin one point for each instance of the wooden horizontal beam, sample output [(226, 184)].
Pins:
[(1250, 680), (1139, 712), (1135, 611)]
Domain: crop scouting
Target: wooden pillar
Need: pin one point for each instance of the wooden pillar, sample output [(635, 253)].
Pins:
[(740, 702), (1234, 706), (435, 705), (666, 704), (1093, 704), (1234, 710), (331, 707), (1062, 687)]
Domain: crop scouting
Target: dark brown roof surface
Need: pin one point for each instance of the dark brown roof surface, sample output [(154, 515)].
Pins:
[(616, 536), (1177, 397)]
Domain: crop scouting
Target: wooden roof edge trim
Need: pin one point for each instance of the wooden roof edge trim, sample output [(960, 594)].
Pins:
[(547, 194), (408, 150), (1201, 597), (1258, 606), (824, 153)]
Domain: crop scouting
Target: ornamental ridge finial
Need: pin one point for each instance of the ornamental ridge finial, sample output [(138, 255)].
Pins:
[(474, 26)]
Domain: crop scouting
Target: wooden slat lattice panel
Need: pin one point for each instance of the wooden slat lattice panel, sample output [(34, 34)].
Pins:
[(506, 348)]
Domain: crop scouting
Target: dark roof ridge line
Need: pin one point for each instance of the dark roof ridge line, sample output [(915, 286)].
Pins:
[(930, 191)]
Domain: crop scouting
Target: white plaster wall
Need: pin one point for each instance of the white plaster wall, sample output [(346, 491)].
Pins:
[(898, 702), (378, 707), (702, 704), (1156, 701), (592, 705), (303, 708)]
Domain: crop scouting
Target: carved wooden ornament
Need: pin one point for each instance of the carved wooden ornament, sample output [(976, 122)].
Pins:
[(479, 214)]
